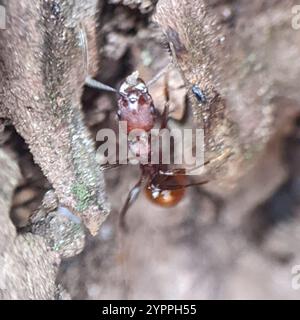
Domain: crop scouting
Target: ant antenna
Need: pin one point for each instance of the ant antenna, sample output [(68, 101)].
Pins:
[(175, 61), (84, 45), (199, 94), (159, 74), (92, 83), (89, 81)]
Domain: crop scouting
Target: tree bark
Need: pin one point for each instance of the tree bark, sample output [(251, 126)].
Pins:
[(249, 74), (42, 72)]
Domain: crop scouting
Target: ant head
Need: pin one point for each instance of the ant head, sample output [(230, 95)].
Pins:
[(135, 104), (133, 86)]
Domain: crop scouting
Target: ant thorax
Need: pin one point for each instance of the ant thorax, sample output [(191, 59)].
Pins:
[(135, 104), (139, 146)]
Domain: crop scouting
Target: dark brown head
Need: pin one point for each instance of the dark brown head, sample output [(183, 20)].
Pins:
[(135, 104)]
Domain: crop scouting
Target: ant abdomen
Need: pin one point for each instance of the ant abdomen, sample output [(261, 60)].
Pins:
[(169, 193)]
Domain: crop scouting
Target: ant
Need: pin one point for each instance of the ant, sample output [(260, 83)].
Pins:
[(135, 106)]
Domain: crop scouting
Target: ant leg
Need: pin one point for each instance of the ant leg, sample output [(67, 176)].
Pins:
[(184, 171), (165, 117), (180, 171), (182, 186), (173, 172), (107, 166), (131, 198), (159, 74), (115, 161), (165, 114)]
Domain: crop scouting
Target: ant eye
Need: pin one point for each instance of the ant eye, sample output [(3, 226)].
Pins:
[(142, 100)]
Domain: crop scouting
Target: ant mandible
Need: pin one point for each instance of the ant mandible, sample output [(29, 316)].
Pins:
[(135, 106)]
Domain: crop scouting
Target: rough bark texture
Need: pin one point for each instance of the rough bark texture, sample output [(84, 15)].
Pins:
[(241, 239), (244, 56), (43, 70), (241, 69), (42, 67), (27, 268), (29, 261)]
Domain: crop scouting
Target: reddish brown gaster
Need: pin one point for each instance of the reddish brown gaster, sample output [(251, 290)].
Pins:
[(165, 197)]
